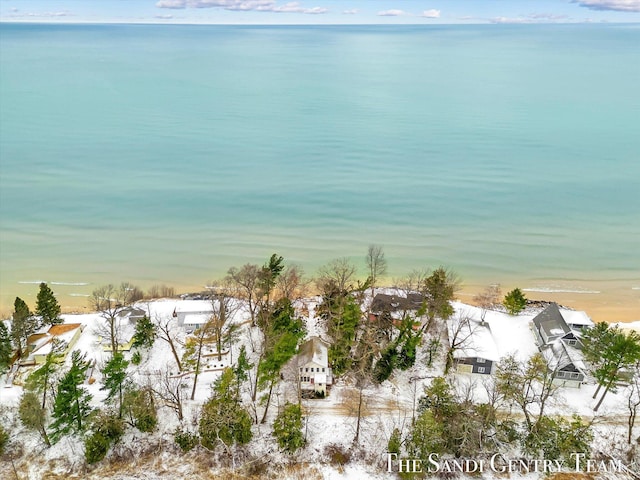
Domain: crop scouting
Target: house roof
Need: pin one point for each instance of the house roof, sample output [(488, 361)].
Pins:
[(573, 317), (511, 335), (559, 355), (390, 303), (196, 318), (132, 312), (61, 329), (480, 342), (551, 321), (314, 350), (64, 332)]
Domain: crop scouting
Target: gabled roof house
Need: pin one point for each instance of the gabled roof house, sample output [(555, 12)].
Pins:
[(560, 344), (39, 345), (479, 352), (313, 366)]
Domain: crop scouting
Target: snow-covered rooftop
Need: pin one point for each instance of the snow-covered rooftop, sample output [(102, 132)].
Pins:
[(511, 334), (313, 350), (574, 317)]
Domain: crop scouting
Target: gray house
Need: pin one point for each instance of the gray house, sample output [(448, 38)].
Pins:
[(561, 345), (478, 352)]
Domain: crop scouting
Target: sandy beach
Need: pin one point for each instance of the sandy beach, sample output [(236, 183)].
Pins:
[(608, 301)]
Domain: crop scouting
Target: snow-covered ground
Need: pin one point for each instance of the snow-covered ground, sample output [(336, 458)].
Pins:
[(330, 423)]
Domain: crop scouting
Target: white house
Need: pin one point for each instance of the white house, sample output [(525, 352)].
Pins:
[(192, 315), (313, 364)]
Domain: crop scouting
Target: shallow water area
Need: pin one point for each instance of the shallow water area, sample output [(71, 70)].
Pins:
[(156, 154)]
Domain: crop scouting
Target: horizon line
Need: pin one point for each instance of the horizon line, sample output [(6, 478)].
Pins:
[(168, 23)]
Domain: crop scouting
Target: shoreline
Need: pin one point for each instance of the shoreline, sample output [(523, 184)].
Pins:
[(608, 301)]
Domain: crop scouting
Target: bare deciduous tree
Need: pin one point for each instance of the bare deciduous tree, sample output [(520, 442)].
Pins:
[(291, 283), (247, 279), (110, 301), (376, 265), (168, 331), (336, 276), (633, 400), (488, 299), (224, 306), (194, 350), (170, 389), (461, 332)]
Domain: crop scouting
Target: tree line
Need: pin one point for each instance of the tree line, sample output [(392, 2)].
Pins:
[(366, 348)]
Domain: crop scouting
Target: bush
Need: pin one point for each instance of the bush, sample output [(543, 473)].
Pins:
[(141, 409), (108, 425), (395, 441), (337, 454), (555, 438), (4, 439), (136, 358), (161, 291), (185, 440), (96, 447)]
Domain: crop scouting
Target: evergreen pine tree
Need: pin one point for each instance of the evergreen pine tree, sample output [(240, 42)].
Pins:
[(47, 307), (5, 348), (145, 333), (620, 353), (114, 376), (71, 404), (440, 290), (223, 418), (43, 379), (515, 301), (22, 325), (287, 428), (242, 367), (33, 415)]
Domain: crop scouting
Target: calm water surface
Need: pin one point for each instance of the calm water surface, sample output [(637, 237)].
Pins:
[(167, 154)]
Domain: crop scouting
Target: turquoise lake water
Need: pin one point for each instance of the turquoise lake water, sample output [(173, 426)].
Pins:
[(167, 154)]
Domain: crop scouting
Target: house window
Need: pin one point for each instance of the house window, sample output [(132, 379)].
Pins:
[(481, 360), (572, 342), (300, 368), (311, 369), (574, 376), (560, 374), (306, 369), (322, 369), (480, 369)]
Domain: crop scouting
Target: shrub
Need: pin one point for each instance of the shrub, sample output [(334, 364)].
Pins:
[(185, 440), (337, 454), (141, 409), (108, 425), (161, 291), (136, 358), (555, 438), (395, 441), (4, 439), (96, 447)]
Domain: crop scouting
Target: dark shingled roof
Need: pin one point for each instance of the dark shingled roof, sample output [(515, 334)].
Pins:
[(390, 303), (551, 322)]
